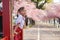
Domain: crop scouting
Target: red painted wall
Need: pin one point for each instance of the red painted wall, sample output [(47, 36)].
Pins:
[(6, 18)]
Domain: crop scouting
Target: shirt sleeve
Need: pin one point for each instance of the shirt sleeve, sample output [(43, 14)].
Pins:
[(18, 20)]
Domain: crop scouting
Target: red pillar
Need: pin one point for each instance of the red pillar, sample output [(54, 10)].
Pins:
[(6, 18)]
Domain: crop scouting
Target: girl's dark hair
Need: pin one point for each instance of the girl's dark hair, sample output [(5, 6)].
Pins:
[(20, 9), (17, 15)]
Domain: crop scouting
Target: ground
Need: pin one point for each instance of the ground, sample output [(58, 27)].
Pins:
[(42, 33)]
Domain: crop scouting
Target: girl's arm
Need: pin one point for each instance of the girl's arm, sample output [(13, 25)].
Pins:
[(16, 27)]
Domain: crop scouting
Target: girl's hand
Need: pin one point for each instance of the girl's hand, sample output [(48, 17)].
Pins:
[(15, 32)]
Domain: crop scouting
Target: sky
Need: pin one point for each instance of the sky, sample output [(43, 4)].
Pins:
[(56, 1)]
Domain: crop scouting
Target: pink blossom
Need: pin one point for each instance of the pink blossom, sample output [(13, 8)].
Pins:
[(53, 10)]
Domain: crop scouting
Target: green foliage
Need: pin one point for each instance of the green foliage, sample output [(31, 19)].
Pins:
[(36, 1), (42, 4), (49, 1)]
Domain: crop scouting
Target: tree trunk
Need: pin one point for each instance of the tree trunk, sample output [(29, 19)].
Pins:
[(59, 20)]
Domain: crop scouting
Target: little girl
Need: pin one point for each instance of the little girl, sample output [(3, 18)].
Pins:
[(20, 22)]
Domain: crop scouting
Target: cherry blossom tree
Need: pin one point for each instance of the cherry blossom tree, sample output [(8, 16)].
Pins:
[(31, 10), (51, 10)]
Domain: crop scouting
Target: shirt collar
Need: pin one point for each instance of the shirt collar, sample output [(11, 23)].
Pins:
[(21, 16)]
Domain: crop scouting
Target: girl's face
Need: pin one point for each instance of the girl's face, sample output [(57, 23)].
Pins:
[(23, 12)]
